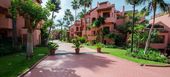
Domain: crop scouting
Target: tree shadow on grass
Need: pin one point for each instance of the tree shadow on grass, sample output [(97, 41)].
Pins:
[(105, 52)]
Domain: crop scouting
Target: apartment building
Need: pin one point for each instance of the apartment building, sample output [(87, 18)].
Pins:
[(6, 24), (112, 18), (162, 25)]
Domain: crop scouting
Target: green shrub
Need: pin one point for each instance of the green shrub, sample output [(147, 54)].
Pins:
[(99, 45), (77, 43), (88, 44), (52, 45), (82, 40), (151, 55), (110, 46)]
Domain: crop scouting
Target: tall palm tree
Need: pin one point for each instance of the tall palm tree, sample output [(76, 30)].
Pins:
[(82, 13), (86, 3), (54, 6), (153, 6), (68, 17), (75, 5), (60, 24), (134, 3)]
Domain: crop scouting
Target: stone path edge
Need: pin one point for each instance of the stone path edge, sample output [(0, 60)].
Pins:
[(33, 66), (156, 65)]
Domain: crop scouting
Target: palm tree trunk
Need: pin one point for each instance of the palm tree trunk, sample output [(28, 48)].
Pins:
[(151, 29), (102, 35), (75, 15), (85, 9), (14, 33), (61, 32), (50, 28), (133, 27), (91, 7), (29, 44)]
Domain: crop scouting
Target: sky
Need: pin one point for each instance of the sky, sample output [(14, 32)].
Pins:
[(66, 4)]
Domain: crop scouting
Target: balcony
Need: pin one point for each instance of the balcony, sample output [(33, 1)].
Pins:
[(119, 21), (5, 23), (110, 20), (92, 38)]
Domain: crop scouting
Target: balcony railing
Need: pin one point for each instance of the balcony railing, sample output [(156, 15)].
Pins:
[(110, 19), (92, 37)]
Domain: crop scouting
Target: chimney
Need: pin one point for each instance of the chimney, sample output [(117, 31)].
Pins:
[(123, 10), (97, 4)]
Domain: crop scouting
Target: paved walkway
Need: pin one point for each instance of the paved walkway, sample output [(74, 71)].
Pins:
[(91, 64)]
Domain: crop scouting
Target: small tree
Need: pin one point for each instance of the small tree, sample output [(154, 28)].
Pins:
[(33, 14)]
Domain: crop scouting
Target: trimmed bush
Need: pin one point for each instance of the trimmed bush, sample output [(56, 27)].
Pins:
[(82, 40), (110, 46), (152, 55)]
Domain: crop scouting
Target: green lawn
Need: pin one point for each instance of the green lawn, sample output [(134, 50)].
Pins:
[(122, 54), (15, 64)]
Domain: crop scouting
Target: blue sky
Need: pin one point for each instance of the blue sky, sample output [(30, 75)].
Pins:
[(66, 4)]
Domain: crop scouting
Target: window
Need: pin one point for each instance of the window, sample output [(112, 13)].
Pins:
[(114, 26), (156, 26), (77, 28), (94, 33), (158, 39), (87, 20), (106, 14)]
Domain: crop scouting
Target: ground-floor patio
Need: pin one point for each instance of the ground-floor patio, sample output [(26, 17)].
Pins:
[(91, 64)]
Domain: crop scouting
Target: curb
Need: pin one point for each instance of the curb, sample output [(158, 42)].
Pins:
[(155, 65), (34, 65)]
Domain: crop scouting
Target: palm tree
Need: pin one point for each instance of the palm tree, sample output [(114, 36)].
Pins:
[(82, 13), (68, 17), (86, 3), (60, 24), (32, 19), (75, 5), (134, 3), (54, 6), (153, 5)]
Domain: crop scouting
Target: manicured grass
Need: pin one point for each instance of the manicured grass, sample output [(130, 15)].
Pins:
[(15, 64), (122, 54)]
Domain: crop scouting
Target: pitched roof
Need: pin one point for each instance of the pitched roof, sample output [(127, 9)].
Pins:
[(164, 19)]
